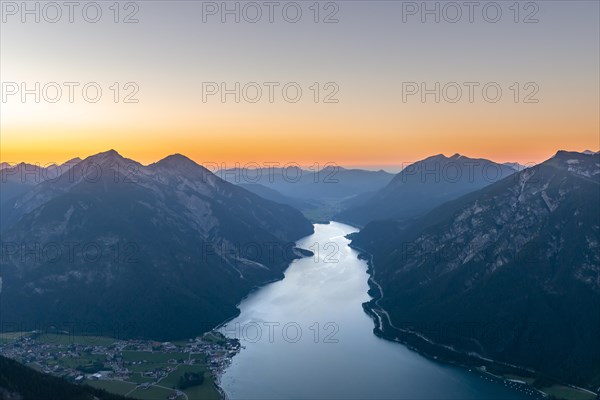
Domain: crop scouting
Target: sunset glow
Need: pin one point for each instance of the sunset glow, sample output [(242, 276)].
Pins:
[(373, 123)]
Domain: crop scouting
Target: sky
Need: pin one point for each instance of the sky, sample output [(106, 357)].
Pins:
[(355, 83)]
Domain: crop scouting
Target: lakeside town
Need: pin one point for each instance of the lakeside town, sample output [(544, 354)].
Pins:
[(140, 369)]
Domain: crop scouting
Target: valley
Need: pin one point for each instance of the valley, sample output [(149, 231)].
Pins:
[(290, 297), (300, 200), (318, 304)]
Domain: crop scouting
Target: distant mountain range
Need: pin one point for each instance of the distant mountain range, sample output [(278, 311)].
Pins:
[(168, 248), (328, 183), (18, 179), (510, 271), (421, 186), (516, 166)]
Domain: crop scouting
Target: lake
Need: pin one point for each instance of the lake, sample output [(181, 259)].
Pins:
[(307, 337)]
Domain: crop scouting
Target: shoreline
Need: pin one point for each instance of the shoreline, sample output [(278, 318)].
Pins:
[(301, 254), (383, 328), (421, 344)]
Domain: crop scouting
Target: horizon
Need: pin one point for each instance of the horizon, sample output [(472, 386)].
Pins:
[(353, 199), (223, 165)]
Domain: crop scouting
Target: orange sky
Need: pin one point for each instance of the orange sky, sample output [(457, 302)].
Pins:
[(384, 137), (368, 55)]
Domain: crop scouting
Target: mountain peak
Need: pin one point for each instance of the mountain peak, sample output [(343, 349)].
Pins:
[(110, 159), (180, 164), (568, 153), (179, 157), (107, 155), (178, 160), (111, 152), (440, 156), (581, 164)]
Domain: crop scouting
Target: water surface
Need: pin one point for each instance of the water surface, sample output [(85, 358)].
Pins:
[(307, 337)]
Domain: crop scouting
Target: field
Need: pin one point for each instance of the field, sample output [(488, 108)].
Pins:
[(203, 392), (558, 391), (6, 337), (151, 393), (117, 387), (568, 393), (151, 361), (173, 378), (84, 361), (165, 386)]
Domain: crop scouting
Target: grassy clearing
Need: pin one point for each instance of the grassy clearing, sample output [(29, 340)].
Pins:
[(173, 378), (205, 391), (209, 337), (152, 393), (568, 393), (138, 378), (117, 387), (7, 337), (83, 361)]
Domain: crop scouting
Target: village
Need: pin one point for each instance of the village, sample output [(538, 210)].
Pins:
[(137, 368)]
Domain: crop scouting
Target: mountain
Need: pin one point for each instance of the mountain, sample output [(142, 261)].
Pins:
[(18, 382), (511, 271), (516, 166), (167, 249), (16, 180), (274, 195), (67, 164), (328, 183), (424, 185)]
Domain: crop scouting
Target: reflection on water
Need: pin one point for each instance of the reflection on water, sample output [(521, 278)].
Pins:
[(308, 337)]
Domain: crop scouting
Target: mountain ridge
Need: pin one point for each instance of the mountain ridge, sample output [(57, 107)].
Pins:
[(423, 185), (517, 259), (200, 243)]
